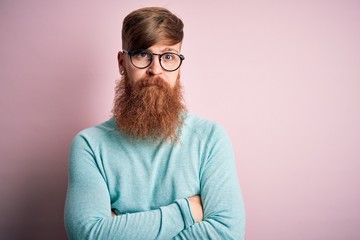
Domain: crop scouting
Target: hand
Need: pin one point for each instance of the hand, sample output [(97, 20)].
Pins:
[(196, 208), (113, 214)]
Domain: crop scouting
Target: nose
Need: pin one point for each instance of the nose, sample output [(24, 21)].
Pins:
[(155, 67)]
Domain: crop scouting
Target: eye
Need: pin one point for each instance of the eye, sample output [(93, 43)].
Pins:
[(141, 54), (168, 57)]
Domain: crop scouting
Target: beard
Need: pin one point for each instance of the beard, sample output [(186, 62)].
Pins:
[(149, 109)]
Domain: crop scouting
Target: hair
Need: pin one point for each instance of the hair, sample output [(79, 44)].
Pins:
[(149, 109), (145, 27)]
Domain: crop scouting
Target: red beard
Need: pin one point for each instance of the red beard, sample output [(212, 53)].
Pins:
[(149, 108)]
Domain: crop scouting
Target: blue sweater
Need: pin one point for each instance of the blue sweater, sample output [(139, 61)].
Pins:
[(147, 185)]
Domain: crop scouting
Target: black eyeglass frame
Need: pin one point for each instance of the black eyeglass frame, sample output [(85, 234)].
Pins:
[(132, 52)]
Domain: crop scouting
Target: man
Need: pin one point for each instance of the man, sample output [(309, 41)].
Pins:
[(153, 171)]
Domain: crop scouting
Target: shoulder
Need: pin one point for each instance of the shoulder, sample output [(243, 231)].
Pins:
[(97, 133), (204, 128), (210, 139)]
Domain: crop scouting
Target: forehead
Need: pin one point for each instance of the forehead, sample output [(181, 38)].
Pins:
[(163, 47)]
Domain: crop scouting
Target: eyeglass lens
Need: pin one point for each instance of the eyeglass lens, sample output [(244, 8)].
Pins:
[(143, 58)]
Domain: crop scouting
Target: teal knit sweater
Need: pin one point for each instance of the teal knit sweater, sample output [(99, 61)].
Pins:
[(147, 185)]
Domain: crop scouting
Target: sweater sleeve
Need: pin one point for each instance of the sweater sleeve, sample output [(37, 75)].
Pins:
[(224, 213), (88, 206)]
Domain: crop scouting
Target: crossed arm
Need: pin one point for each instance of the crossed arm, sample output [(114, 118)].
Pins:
[(212, 216), (195, 207)]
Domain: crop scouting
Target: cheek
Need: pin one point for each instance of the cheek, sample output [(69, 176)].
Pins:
[(134, 74), (172, 78)]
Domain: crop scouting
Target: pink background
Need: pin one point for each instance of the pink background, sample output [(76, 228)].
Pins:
[(283, 77)]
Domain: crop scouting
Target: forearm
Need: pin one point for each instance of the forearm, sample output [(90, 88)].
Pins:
[(162, 223), (214, 228), (221, 221)]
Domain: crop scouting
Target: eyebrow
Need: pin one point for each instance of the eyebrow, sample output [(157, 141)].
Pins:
[(167, 49), (170, 49)]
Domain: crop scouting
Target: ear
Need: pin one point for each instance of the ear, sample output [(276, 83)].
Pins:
[(120, 58)]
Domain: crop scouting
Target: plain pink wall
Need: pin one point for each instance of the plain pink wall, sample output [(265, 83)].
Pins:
[(282, 76)]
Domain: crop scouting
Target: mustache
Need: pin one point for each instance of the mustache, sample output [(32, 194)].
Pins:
[(152, 81)]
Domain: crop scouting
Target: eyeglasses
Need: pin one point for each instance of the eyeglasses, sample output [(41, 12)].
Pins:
[(142, 58)]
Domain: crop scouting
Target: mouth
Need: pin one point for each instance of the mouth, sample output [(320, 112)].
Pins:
[(158, 83)]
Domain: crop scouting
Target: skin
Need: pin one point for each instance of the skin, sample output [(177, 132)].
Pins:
[(196, 208), (155, 69)]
